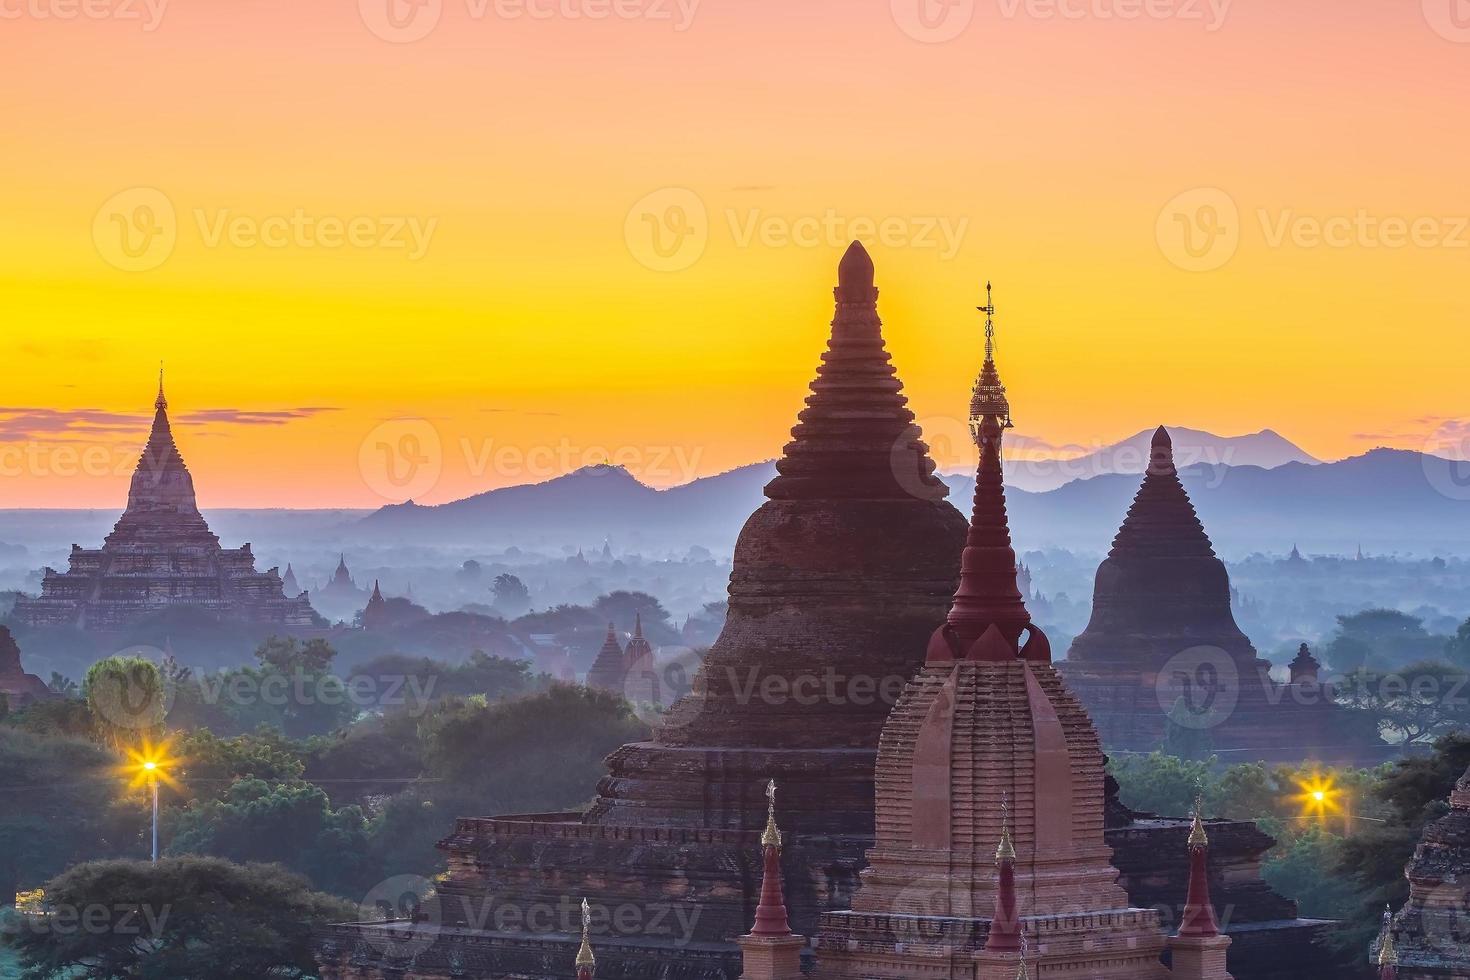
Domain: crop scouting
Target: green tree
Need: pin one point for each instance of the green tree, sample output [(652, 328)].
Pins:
[(1417, 703), (540, 752), (512, 598), (1457, 649), (287, 655), (1160, 783), (64, 801), (1380, 638), (1303, 869), (182, 917), (128, 699), (291, 824)]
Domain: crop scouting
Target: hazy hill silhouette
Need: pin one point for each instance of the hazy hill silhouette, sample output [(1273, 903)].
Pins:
[(1266, 449), (1386, 499)]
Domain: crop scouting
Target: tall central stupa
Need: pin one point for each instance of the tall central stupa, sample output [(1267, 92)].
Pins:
[(838, 579)]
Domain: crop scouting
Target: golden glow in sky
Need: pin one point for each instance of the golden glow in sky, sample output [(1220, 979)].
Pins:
[(521, 236)]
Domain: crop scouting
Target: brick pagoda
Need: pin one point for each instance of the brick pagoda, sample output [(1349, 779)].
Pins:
[(1163, 639), (161, 553), (1429, 938), (16, 686)]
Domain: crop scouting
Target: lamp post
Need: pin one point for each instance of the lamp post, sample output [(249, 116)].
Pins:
[(151, 768), (149, 764)]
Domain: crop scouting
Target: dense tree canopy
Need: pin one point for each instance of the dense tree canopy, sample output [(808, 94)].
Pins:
[(183, 917)]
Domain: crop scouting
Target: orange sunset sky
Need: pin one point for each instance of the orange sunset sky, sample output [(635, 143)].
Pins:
[(511, 237)]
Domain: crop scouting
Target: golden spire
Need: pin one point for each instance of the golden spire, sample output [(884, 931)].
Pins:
[(772, 835), (1387, 954), (1197, 835), (1006, 850), (584, 955)]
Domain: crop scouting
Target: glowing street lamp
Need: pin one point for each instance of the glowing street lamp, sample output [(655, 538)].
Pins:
[(1319, 797), (149, 764)]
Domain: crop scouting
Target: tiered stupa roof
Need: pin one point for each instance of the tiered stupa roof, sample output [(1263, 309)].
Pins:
[(609, 669), (1426, 939)]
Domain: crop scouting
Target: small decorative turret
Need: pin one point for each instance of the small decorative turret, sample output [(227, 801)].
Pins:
[(770, 950), (1305, 667), (610, 669), (1005, 925), (1199, 948), (586, 962)]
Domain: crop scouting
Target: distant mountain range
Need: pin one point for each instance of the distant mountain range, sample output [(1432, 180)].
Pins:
[(1265, 449), (1386, 500)]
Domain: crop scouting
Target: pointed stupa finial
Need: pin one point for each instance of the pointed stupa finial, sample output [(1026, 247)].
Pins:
[(638, 625), (1387, 953), (1161, 453), (988, 398), (855, 275), (1197, 835), (1006, 850), (771, 836), (160, 402), (586, 962), (989, 310)]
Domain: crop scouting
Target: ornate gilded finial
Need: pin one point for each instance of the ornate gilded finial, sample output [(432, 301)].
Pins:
[(1197, 835), (989, 310), (160, 401), (584, 955), (1006, 850), (988, 397), (772, 835), (1387, 954)]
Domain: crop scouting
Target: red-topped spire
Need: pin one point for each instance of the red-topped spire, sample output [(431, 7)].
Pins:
[(1005, 925), (1199, 920), (987, 595), (770, 914)]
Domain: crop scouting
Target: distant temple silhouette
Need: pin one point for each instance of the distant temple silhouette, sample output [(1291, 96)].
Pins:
[(160, 554), (1163, 644), (18, 688)]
